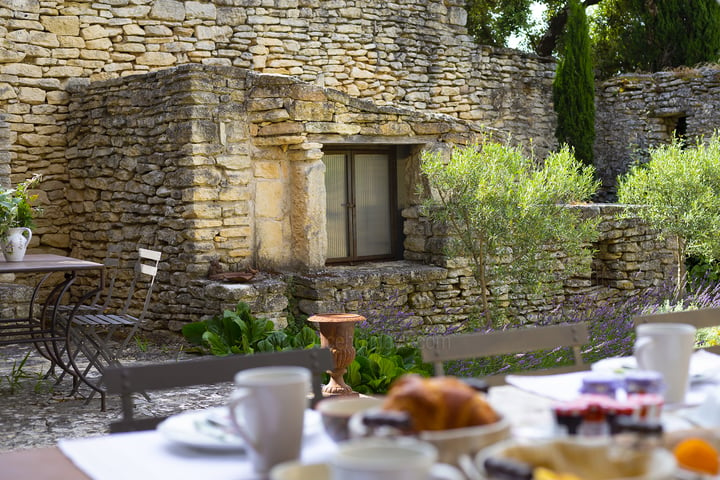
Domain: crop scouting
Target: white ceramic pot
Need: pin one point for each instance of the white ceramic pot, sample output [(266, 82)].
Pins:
[(15, 243)]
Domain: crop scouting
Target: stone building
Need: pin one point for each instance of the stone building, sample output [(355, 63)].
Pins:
[(217, 132), (635, 112)]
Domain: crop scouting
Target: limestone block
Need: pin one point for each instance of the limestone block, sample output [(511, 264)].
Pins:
[(272, 241), (133, 29), (267, 169), (22, 70), (169, 10), (29, 6), (11, 56), (311, 110), (331, 127), (61, 25), (43, 39), (63, 72), (231, 16), (130, 48), (32, 96), (98, 44), (7, 92), (283, 128), (66, 53), (269, 197), (156, 59), (205, 11), (217, 34), (71, 42), (94, 32), (138, 11), (95, 55)]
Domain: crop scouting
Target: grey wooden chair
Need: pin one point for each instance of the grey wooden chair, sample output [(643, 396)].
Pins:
[(702, 318), (439, 349), (128, 380)]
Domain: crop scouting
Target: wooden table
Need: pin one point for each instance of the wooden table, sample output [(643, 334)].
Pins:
[(46, 463)]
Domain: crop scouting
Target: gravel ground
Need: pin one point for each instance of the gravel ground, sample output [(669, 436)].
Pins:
[(36, 411)]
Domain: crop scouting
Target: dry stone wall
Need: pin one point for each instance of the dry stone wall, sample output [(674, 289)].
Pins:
[(209, 163), (409, 53), (635, 112)]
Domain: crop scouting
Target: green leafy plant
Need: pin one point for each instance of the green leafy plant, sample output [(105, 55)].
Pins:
[(379, 362), (239, 332), (16, 206)]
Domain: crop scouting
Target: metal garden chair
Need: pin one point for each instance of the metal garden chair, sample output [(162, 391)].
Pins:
[(92, 332), (439, 349), (128, 380)]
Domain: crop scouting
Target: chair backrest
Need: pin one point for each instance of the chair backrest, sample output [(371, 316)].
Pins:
[(126, 380), (702, 318), (439, 349), (146, 268)]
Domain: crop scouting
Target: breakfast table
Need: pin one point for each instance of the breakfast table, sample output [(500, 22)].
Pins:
[(525, 401)]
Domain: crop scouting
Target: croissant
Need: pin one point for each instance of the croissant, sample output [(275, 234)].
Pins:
[(439, 403)]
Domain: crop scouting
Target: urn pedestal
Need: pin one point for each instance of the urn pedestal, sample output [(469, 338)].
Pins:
[(336, 333)]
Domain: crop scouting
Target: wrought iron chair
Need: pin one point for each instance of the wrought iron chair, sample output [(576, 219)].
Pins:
[(91, 332), (128, 380), (702, 318), (439, 349), (98, 303)]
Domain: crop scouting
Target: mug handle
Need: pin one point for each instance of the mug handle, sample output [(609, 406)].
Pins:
[(444, 471), (641, 346), (29, 234), (236, 398)]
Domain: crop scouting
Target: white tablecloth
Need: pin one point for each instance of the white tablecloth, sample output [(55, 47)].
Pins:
[(703, 365), (149, 456)]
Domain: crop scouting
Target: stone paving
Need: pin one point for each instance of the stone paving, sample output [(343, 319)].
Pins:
[(37, 412)]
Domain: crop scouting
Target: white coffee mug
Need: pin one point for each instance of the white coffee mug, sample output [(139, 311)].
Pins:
[(267, 409), (666, 348), (389, 459)]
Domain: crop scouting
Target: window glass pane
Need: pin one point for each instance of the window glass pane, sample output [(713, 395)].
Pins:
[(336, 187), (372, 197)]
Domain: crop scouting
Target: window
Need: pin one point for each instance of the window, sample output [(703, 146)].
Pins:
[(361, 204)]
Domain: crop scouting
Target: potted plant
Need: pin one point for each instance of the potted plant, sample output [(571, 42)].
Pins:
[(16, 218)]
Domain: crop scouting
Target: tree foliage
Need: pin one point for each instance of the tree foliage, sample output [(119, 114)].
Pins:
[(574, 87), (652, 35), (502, 210), (678, 193), (493, 22)]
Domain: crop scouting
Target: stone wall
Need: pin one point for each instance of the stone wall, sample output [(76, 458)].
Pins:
[(411, 53), (635, 112), (415, 294), (209, 163)]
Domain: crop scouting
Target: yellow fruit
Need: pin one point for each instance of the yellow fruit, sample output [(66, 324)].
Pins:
[(542, 473), (698, 455)]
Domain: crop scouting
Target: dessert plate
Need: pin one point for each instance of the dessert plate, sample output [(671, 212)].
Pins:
[(211, 429)]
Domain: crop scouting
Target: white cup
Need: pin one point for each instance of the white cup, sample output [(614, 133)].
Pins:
[(389, 459), (666, 348), (267, 409)]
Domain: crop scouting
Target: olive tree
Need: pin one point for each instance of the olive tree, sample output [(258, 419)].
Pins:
[(678, 193), (509, 215)]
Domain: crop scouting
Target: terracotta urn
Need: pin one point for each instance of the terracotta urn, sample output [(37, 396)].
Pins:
[(336, 333)]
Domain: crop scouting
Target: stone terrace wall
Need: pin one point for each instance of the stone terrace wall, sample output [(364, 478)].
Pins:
[(635, 112), (629, 260), (409, 53)]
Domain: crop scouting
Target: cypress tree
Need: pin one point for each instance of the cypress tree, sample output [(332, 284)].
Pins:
[(574, 88)]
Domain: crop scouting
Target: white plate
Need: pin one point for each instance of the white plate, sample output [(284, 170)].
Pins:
[(211, 429)]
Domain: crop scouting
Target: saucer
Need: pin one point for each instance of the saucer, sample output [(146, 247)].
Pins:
[(212, 429)]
